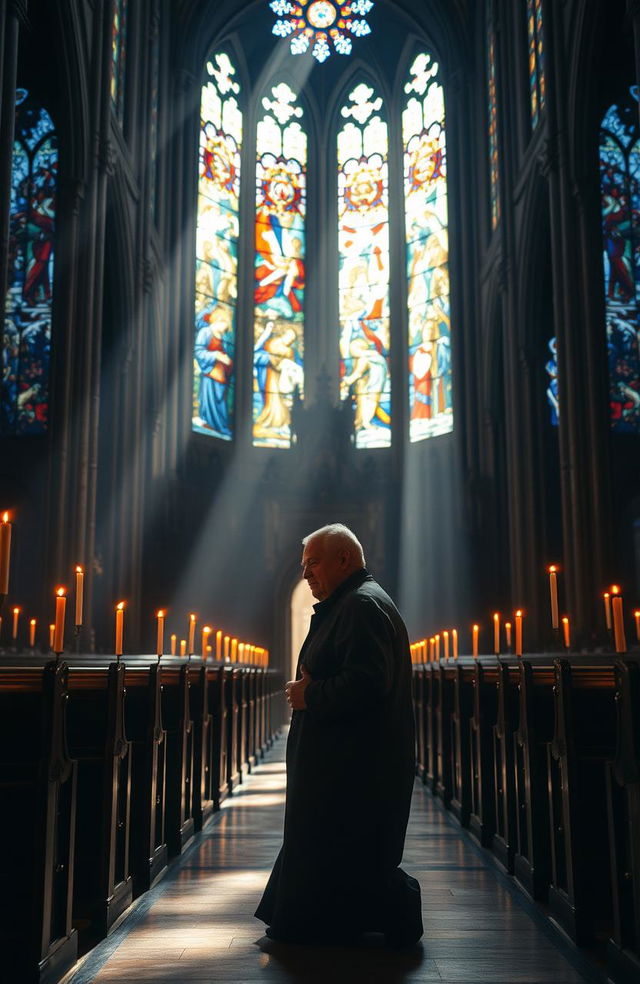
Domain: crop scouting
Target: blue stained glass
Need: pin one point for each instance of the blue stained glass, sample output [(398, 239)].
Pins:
[(118, 55), (27, 332), (536, 59)]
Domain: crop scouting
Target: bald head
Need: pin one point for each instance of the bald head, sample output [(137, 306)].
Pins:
[(330, 555)]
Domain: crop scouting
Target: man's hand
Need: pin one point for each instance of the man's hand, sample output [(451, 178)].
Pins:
[(295, 689)]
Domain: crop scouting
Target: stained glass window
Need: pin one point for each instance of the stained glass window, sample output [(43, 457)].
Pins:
[(363, 280), (620, 211), (154, 100), (492, 113), (217, 250), (427, 252), (279, 282), (27, 329), (551, 370), (536, 59), (118, 55)]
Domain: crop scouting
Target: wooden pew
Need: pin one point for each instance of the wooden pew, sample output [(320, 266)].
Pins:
[(231, 696), (103, 886), (483, 721), (444, 712), (535, 730), (430, 698), (583, 745), (143, 723), (216, 683), (242, 704), (176, 719), (505, 839), (623, 809), (419, 673), (37, 825), (252, 701), (203, 795), (463, 674)]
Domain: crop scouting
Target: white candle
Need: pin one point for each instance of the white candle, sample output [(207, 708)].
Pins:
[(518, 633), (119, 627), (607, 608), (206, 632), (160, 639), (174, 641), (507, 634), (183, 647), (5, 553), (618, 624), (445, 637), (496, 633), (61, 608), (566, 632), (636, 616), (219, 645), (52, 632), (475, 635), (79, 594), (553, 594), (454, 640), (192, 634), (16, 616), (32, 632), (227, 640)]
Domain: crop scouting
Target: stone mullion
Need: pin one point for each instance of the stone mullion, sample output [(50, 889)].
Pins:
[(10, 16)]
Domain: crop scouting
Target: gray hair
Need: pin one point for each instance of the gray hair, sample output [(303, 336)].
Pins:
[(341, 536)]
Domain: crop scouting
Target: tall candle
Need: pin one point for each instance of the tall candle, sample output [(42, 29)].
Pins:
[(234, 650), (219, 645), (173, 639), (496, 633), (607, 609), (475, 634), (16, 616), (206, 632), (5, 553), (183, 647), (445, 640), (507, 633), (618, 624), (241, 652), (437, 647), (79, 594), (32, 632), (192, 634), (61, 609), (119, 627), (227, 640), (160, 639), (566, 632), (454, 639), (553, 592), (52, 631), (518, 633), (636, 616)]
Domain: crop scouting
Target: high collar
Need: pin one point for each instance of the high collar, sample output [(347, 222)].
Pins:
[(353, 581)]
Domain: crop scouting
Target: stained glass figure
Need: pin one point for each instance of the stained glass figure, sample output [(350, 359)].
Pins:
[(27, 330), (279, 267), (492, 113), (620, 210), (427, 252), (312, 24), (118, 56), (363, 246), (217, 250), (536, 59), (551, 369)]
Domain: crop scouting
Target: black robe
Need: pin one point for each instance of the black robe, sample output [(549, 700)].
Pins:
[(350, 773)]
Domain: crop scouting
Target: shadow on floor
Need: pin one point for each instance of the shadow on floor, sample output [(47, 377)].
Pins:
[(369, 962)]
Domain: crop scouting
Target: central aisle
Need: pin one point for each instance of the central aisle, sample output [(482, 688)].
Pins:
[(197, 924)]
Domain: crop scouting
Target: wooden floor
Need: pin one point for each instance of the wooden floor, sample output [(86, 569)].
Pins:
[(198, 924)]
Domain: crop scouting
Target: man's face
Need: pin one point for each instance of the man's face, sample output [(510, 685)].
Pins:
[(324, 567)]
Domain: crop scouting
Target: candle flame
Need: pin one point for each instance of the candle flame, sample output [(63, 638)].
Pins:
[(496, 615), (79, 570), (565, 620), (553, 569), (207, 629), (16, 611), (160, 614), (519, 613), (52, 626), (120, 605), (32, 622), (5, 517), (61, 592), (615, 589), (192, 617), (507, 625), (476, 626)]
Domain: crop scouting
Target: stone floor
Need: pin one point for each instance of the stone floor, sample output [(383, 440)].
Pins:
[(198, 925)]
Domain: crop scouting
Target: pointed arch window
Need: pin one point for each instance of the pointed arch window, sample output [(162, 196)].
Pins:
[(279, 271), (118, 56), (217, 249), (28, 303), (536, 60), (363, 278), (492, 116), (620, 211), (427, 251)]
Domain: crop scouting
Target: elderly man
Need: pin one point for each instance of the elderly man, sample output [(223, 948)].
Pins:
[(350, 763)]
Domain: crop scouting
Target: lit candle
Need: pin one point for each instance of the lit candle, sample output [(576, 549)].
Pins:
[(437, 647), (475, 635), (5, 553), (192, 633), (518, 633), (454, 640), (160, 640), (206, 648), (227, 640), (618, 620), (496, 633), (61, 609), (266, 657), (445, 639), (209, 651), (52, 630), (32, 632), (636, 616), (566, 632), (553, 593), (241, 652), (219, 645), (607, 609), (507, 633), (174, 641), (79, 594), (16, 616), (119, 627), (183, 647), (234, 650)]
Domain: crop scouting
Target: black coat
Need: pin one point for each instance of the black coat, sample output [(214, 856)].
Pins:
[(350, 769)]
